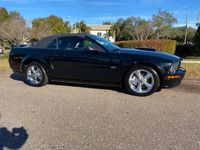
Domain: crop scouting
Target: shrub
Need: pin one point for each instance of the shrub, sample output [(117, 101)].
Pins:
[(197, 39), (186, 50), (168, 46)]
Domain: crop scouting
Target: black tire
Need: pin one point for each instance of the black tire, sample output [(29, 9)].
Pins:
[(155, 77), (44, 78)]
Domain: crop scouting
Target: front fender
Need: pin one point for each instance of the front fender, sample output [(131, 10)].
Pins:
[(156, 65)]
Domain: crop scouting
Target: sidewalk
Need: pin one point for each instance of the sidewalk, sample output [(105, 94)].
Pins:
[(191, 61)]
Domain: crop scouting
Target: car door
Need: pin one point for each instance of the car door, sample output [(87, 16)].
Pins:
[(82, 59), (65, 58), (99, 64)]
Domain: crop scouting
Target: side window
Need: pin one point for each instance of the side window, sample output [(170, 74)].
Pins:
[(69, 43), (53, 44), (90, 45), (77, 43)]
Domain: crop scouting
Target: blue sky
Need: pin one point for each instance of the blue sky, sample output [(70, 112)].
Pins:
[(98, 11)]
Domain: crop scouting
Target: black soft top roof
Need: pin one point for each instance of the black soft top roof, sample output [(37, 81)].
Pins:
[(44, 43)]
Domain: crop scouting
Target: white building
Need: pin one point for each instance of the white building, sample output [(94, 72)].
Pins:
[(102, 31)]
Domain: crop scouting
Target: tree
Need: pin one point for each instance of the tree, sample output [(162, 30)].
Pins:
[(42, 27), (67, 26), (57, 24), (122, 29), (3, 14), (197, 39), (178, 34), (13, 29), (107, 23), (162, 22), (114, 30), (132, 28), (81, 27), (142, 29)]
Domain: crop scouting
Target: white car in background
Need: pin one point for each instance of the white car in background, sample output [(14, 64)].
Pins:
[(1, 51)]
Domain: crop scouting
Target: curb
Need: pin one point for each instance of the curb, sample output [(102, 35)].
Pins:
[(190, 62)]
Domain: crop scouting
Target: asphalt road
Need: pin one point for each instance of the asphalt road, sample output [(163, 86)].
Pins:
[(66, 117)]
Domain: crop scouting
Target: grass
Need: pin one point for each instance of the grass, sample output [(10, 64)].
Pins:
[(193, 70), (192, 58), (4, 61), (4, 64), (3, 57)]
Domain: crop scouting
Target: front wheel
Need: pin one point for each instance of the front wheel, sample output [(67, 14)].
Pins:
[(35, 75), (142, 81)]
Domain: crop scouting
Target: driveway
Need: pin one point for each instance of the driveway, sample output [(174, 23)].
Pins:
[(65, 117)]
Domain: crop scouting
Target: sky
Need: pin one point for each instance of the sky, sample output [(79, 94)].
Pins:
[(98, 11)]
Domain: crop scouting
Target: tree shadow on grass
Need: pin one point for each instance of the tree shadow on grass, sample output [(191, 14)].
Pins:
[(14, 139)]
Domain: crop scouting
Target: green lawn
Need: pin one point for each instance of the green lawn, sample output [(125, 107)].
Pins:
[(4, 64), (2, 57), (5, 55), (4, 61), (193, 70), (193, 58)]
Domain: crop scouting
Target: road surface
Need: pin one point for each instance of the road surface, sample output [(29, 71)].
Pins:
[(65, 117)]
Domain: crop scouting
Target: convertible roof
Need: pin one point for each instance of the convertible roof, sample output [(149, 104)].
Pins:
[(43, 43)]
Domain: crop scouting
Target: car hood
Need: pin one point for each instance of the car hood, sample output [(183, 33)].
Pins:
[(153, 54)]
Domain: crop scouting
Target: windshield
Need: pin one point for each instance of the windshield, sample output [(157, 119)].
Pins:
[(108, 45)]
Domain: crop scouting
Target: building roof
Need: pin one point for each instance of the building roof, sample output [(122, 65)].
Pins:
[(100, 27)]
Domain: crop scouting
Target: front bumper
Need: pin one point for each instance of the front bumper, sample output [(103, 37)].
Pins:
[(174, 79)]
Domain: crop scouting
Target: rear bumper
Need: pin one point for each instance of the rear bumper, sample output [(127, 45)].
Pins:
[(14, 65), (174, 79)]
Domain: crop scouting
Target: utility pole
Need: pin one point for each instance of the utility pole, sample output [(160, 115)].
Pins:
[(186, 29), (198, 20), (75, 25)]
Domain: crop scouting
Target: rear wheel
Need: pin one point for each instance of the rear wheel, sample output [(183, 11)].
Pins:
[(35, 75), (142, 81)]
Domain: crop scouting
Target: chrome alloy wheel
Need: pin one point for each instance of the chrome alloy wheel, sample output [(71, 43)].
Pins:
[(141, 81), (34, 75)]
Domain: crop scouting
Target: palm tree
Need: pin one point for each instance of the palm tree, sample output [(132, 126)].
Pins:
[(81, 27), (114, 30)]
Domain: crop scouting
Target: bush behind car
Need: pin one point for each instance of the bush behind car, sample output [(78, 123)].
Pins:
[(168, 46)]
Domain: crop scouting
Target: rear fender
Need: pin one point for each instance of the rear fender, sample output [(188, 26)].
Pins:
[(28, 59)]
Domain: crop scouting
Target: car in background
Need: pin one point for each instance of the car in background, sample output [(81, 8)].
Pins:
[(22, 45), (1, 50), (89, 59)]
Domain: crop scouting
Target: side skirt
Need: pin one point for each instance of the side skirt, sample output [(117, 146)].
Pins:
[(86, 83)]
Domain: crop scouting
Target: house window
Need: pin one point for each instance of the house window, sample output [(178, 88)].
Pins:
[(99, 34)]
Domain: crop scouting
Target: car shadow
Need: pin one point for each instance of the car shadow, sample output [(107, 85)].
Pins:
[(117, 89), (20, 77), (14, 139), (17, 77)]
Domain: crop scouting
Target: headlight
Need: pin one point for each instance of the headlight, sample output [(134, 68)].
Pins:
[(174, 67)]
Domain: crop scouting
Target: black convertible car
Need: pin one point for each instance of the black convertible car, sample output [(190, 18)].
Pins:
[(89, 59)]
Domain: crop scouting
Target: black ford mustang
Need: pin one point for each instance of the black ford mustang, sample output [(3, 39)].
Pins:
[(85, 58)]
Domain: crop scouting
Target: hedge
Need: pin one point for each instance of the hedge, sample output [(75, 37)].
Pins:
[(186, 50), (168, 46)]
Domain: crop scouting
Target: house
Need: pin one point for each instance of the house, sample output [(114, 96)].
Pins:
[(102, 31)]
